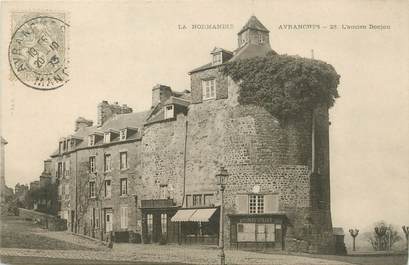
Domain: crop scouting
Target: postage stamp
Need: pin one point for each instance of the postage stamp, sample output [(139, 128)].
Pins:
[(38, 50)]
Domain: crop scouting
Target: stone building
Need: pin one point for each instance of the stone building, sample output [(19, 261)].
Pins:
[(278, 191), (97, 171)]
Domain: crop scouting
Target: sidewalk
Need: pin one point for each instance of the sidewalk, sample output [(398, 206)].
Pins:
[(171, 253)]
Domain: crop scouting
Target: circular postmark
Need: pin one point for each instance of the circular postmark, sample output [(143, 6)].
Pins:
[(37, 53)]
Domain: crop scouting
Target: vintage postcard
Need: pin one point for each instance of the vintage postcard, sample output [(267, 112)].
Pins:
[(204, 132)]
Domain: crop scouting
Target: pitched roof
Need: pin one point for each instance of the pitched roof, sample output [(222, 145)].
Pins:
[(253, 23), (177, 101), (117, 122), (203, 67), (251, 50)]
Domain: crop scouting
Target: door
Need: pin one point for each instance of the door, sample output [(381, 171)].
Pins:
[(108, 220)]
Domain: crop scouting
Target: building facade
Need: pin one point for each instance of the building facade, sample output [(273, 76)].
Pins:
[(277, 195)]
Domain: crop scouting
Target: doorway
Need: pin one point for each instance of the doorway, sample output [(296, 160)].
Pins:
[(108, 220)]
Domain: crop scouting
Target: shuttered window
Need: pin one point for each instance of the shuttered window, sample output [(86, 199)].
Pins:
[(257, 203), (124, 217)]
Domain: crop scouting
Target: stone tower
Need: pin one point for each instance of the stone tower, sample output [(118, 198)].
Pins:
[(287, 162), (253, 32)]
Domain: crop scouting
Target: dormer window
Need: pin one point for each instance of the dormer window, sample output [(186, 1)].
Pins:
[(209, 89), (107, 137), (217, 58), (169, 112), (122, 134), (91, 140)]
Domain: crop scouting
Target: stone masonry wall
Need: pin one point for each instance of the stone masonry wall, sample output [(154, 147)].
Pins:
[(257, 149), (163, 159), (80, 167), (196, 84)]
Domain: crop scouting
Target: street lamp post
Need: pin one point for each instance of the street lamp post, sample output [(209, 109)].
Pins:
[(221, 181)]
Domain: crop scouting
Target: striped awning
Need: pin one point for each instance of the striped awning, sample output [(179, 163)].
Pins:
[(202, 215), (193, 215), (183, 215)]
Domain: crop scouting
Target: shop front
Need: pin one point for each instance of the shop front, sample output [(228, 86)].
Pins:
[(258, 231), (198, 225), (156, 224)]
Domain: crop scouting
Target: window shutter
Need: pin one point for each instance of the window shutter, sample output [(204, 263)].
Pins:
[(271, 203), (126, 217), (122, 217), (242, 203)]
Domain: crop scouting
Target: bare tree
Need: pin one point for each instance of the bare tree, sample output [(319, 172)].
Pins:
[(354, 234), (383, 236), (84, 199), (406, 231)]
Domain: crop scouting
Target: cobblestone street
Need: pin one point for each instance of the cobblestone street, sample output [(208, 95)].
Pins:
[(66, 248), (21, 238), (168, 254)]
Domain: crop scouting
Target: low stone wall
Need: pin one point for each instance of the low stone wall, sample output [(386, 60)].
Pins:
[(50, 222)]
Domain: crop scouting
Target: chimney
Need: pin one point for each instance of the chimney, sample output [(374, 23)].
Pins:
[(160, 94), (82, 123), (106, 111), (47, 166)]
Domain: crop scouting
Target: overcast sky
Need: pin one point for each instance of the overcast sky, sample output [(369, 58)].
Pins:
[(119, 51)]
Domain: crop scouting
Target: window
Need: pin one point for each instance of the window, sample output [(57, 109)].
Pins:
[(123, 160), (256, 203), (73, 142), (188, 200), (197, 200), (60, 189), (107, 162), (107, 137), (209, 89), (92, 189), (217, 58), (246, 232), (92, 164), (164, 222), (93, 218), (260, 38), (91, 140), (67, 167), (59, 170), (163, 191), (169, 112), (149, 222), (122, 135), (208, 199), (124, 217), (124, 187), (108, 188), (251, 232)]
